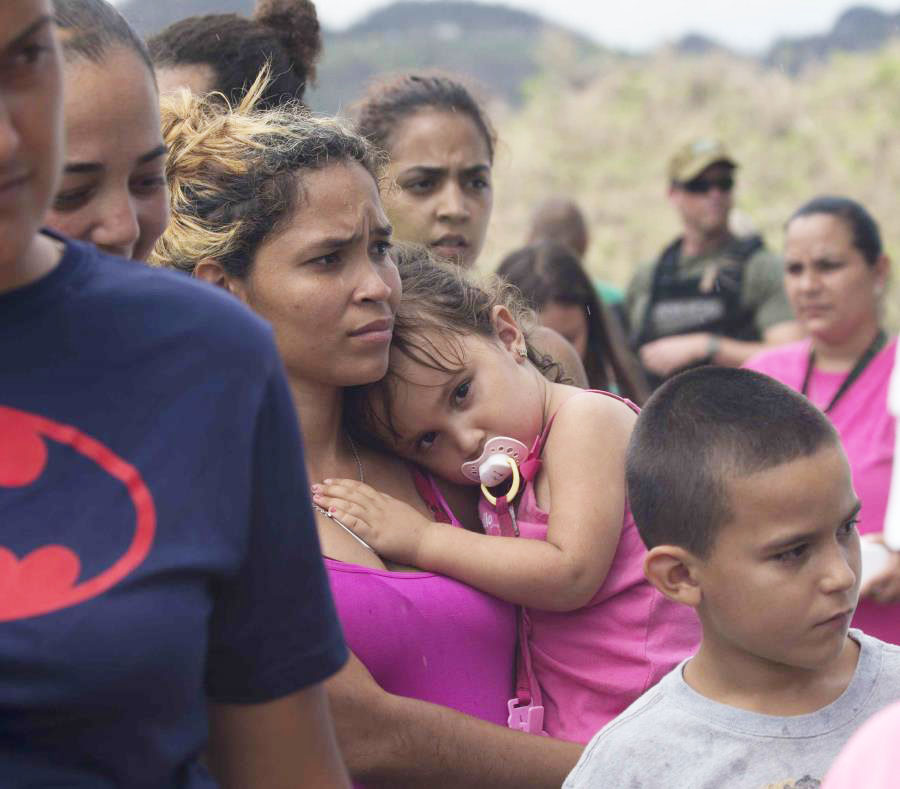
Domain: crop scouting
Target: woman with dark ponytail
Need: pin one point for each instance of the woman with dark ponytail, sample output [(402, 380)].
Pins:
[(225, 52)]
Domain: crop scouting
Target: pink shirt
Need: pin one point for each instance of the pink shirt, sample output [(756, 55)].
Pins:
[(590, 664), (867, 431), (870, 759), (428, 637)]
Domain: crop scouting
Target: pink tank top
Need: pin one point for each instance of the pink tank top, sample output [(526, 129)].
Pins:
[(426, 636), (590, 664)]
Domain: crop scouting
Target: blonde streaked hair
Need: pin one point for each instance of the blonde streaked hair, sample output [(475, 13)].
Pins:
[(232, 172)]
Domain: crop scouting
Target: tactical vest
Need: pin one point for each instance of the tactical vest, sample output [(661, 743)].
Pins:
[(677, 305)]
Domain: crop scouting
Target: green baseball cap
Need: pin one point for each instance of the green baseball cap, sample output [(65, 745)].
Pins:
[(692, 159)]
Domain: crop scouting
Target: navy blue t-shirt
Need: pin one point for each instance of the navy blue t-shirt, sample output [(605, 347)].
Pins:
[(157, 547)]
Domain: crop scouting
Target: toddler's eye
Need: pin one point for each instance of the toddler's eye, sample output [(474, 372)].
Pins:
[(426, 440), (462, 391)]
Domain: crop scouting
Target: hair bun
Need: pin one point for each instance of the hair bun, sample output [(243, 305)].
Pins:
[(297, 25)]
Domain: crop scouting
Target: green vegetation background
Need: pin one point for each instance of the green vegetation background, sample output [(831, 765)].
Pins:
[(602, 131)]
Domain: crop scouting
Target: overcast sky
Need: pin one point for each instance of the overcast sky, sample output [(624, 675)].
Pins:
[(638, 24)]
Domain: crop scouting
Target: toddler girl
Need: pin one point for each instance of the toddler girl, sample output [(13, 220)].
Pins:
[(464, 392)]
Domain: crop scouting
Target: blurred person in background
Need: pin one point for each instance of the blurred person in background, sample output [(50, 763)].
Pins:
[(441, 147), (835, 274), (153, 504), (560, 219), (555, 285), (226, 52), (439, 189), (113, 190), (282, 210), (710, 297)]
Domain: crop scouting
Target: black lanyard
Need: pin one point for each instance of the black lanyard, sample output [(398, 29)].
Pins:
[(877, 344)]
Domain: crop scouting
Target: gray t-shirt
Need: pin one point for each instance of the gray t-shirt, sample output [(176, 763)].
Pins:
[(674, 738)]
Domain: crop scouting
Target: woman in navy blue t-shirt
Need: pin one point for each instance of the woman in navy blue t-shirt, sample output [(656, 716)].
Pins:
[(161, 591), (283, 210)]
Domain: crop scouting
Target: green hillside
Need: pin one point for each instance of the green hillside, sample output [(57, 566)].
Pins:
[(491, 44)]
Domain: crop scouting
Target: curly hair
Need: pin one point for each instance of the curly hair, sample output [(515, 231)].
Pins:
[(284, 34), (441, 303), (389, 101), (232, 173)]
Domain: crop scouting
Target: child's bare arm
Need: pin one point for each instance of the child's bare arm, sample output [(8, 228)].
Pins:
[(585, 461)]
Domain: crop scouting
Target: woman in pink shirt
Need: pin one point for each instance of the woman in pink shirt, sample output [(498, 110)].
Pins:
[(835, 275), (283, 211)]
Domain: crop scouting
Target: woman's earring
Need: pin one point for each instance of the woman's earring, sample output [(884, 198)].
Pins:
[(523, 353)]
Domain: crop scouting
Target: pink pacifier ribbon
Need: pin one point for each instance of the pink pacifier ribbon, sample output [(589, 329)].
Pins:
[(492, 467)]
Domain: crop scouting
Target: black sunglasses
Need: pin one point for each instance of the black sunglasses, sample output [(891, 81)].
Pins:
[(700, 186)]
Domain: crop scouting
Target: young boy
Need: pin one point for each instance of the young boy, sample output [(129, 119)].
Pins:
[(742, 493)]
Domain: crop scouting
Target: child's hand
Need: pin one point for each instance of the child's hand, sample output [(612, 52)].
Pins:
[(393, 529)]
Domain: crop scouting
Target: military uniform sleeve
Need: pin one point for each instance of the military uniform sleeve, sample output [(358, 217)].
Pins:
[(764, 290), (274, 629)]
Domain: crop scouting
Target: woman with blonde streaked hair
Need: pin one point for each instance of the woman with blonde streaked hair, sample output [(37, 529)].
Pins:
[(283, 210)]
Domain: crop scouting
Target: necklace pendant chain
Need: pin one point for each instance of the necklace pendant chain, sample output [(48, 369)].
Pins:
[(362, 478)]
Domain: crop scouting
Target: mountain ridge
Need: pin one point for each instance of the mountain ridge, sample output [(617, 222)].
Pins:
[(497, 46)]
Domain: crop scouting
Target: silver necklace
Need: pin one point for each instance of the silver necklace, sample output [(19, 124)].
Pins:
[(362, 478)]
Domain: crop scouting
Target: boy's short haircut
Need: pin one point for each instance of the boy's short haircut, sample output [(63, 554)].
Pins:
[(701, 428)]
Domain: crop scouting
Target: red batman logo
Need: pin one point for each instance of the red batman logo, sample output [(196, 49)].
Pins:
[(47, 578)]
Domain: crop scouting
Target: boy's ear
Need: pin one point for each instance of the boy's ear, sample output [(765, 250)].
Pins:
[(673, 570), (507, 330), (211, 271)]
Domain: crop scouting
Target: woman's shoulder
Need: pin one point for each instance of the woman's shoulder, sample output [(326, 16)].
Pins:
[(152, 305)]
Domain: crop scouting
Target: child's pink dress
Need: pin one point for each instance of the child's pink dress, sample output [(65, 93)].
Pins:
[(590, 664)]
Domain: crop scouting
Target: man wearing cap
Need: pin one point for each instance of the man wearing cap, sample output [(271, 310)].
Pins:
[(710, 297)]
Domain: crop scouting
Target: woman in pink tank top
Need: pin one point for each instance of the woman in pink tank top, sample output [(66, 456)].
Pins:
[(433, 664), (466, 399)]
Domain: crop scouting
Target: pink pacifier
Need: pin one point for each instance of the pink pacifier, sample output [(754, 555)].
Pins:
[(499, 459)]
